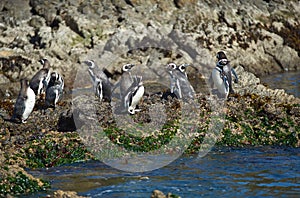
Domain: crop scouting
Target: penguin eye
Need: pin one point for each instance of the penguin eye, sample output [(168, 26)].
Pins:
[(90, 63), (173, 66)]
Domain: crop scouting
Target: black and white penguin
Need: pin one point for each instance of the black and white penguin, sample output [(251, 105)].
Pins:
[(40, 80), (54, 91), (24, 103), (126, 79), (171, 68), (101, 84), (221, 75), (180, 84), (133, 95)]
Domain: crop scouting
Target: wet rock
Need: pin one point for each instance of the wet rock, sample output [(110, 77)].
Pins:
[(66, 194), (250, 84), (159, 194)]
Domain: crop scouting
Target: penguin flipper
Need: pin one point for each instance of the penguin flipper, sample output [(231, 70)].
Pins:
[(18, 109), (236, 79)]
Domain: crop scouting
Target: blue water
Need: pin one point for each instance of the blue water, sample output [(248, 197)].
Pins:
[(224, 172), (289, 81)]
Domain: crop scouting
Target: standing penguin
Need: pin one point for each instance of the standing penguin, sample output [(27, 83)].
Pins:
[(133, 95), (24, 103), (54, 90), (221, 75), (180, 84), (126, 79), (187, 90), (101, 84), (171, 68), (40, 80)]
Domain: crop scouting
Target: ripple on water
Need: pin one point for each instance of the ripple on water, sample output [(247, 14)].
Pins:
[(263, 171)]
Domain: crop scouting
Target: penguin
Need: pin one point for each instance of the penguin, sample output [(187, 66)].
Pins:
[(171, 68), (133, 95), (101, 84), (126, 79), (221, 75), (54, 91), (180, 84), (40, 80), (183, 86), (24, 103)]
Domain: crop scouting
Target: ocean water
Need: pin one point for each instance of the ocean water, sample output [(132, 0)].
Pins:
[(223, 172), (289, 81)]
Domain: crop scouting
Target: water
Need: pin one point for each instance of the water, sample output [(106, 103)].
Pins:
[(224, 172), (289, 81)]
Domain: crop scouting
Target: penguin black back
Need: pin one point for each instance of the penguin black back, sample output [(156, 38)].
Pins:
[(40, 80), (24, 103), (19, 105)]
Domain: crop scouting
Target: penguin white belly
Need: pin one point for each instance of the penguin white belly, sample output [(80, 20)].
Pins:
[(137, 97), (56, 97), (29, 103), (219, 83)]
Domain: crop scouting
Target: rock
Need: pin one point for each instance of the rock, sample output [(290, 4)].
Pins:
[(66, 194), (159, 194), (12, 12), (256, 35), (250, 84), (3, 79)]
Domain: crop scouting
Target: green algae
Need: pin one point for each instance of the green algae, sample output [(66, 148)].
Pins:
[(142, 143), (55, 150), (21, 184)]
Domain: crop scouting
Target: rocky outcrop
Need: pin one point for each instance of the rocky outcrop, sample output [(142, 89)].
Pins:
[(261, 36), (249, 83)]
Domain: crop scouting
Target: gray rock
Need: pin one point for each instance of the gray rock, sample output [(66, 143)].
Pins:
[(256, 35), (250, 84)]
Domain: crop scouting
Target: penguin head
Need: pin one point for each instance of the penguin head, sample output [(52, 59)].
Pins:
[(171, 66), (127, 67), (54, 76), (44, 62), (90, 63), (221, 55), (182, 67), (131, 110), (24, 82), (222, 62)]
